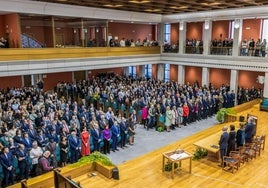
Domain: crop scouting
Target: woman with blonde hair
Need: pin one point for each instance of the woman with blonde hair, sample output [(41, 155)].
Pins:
[(168, 119)]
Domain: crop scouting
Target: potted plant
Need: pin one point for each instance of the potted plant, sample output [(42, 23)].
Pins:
[(199, 153), (101, 163), (168, 166), (221, 114)]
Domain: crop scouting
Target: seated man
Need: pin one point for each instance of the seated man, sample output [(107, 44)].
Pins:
[(43, 163)]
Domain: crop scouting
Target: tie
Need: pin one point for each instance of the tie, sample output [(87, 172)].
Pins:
[(66, 128)]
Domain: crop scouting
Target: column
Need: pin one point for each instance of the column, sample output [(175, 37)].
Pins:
[(160, 71), (86, 74), (205, 76), (234, 83), (53, 32), (32, 80), (265, 87), (207, 36), (142, 71), (22, 81), (181, 74), (160, 35), (73, 77), (182, 38), (238, 26)]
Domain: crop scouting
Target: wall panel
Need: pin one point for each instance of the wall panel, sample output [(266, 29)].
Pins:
[(11, 81), (219, 76), (51, 80), (193, 74), (248, 79)]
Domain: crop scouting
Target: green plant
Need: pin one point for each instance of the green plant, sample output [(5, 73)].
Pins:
[(220, 116), (168, 166), (160, 129), (94, 157), (199, 153)]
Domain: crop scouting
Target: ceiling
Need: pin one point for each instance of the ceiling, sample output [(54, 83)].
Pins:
[(164, 7)]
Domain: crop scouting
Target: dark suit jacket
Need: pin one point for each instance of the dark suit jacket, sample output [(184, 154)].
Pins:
[(249, 130), (28, 145), (73, 144), (224, 140), (95, 135), (6, 161)]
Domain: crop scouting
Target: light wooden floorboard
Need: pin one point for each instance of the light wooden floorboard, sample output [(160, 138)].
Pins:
[(145, 171)]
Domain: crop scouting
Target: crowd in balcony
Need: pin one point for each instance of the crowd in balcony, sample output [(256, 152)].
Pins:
[(4, 43), (42, 130), (253, 48), (131, 43), (221, 47), (194, 46)]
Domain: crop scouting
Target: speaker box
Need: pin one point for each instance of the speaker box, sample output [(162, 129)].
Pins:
[(115, 173), (241, 118)]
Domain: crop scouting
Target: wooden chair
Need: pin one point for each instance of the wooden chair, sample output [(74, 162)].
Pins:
[(249, 151), (231, 162), (243, 153), (257, 146), (239, 156), (261, 140)]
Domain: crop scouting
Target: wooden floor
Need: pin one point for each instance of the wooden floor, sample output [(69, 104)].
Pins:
[(145, 171)]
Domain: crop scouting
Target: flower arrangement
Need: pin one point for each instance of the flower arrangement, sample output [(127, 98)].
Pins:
[(94, 157), (199, 153), (168, 166)]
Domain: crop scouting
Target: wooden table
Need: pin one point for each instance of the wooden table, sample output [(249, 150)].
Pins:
[(211, 144), (176, 157), (208, 143)]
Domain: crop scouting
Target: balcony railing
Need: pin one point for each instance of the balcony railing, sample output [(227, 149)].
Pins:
[(221, 50), (11, 54), (194, 49)]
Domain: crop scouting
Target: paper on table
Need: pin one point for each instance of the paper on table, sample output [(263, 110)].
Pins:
[(179, 156)]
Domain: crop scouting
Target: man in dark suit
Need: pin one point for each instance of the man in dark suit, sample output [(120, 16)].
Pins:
[(27, 141), (22, 156), (123, 132), (223, 143), (96, 135), (249, 130), (74, 147), (115, 135), (6, 160)]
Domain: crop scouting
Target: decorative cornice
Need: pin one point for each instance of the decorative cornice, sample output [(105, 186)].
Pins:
[(223, 62)]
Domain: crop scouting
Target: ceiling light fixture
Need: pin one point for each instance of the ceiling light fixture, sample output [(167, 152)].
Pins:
[(211, 4), (237, 23), (113, 5), (152, 10), (139, 2), (181, 7), (206, 25), (181, 26)]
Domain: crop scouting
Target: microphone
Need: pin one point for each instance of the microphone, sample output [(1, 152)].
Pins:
[(178, 150)]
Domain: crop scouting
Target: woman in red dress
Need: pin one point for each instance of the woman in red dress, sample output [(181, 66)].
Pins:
[(185, 113), (85, 147)]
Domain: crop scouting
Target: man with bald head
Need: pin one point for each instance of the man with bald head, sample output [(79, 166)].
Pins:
[(223, 143)]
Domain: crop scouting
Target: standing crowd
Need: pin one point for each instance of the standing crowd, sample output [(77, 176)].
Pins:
[(42, 130)]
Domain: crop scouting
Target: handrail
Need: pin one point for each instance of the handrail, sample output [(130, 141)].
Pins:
[(9, 54)]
